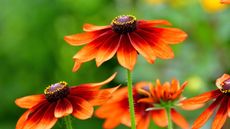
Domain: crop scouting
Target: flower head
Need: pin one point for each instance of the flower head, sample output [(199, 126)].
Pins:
[(145, 95), (221, 98), (127, 37), (58, 101)]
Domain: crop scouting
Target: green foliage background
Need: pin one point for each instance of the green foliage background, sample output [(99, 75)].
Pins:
[(33, 53)]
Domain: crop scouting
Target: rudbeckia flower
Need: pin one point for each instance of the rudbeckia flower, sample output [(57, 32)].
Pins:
[(58, 101), (145, 95), (221, 98), (225, 1), (127, 37)]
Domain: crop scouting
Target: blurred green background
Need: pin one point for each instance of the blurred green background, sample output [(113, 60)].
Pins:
[(33, 53)]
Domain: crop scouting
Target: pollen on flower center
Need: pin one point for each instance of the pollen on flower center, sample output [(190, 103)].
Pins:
[(226, 86), (56, 91), (124, 24)]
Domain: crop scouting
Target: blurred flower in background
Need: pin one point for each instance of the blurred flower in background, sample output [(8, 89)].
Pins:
[(212, 5)]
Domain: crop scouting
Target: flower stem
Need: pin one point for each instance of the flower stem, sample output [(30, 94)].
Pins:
[(68, 124), (131, 102), (168, 111)]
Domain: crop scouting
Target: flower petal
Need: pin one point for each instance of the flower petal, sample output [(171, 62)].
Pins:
[(152, 23), (48, 120), (160, 117), (35, 116), (82, 109), (87, 91), (108, 49), (30, 101), (21, 122), (63, 108), (179, 119), (103, 96), (91, 27), (83, 38), (204, 116), (168, 35), (225, 1), (203, 98), (142, 47), (111, 123), (221, 79), (178, 93), (144, 122), (221, 115), (126, 54), (160, 49)]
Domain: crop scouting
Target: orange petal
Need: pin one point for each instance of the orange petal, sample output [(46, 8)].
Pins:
[(82, 109), (160, 49), (108, 49), (63, 108), (75, 90), (175, 86), (221, 115), (204, 116), (203, 98), (21, 122), (178, 93), (126, 54), (35, 116), (105, 110), (147, 23), (89, 51), (144, 122), (83, 38), (160, 117), (48, 120), (30, 101), (142, 47), (111, 123), (103, 96), (77, 65), (91, 27), (179, 119)]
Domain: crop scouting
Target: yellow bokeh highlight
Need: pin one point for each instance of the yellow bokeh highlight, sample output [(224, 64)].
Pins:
[(212, 5)]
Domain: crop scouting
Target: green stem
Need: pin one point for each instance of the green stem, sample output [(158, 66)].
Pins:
[(68, 124), (131, 102), (168, 111)]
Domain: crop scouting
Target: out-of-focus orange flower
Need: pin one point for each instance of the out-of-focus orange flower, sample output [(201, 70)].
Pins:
[(127, 37), (225, 1), (58, 101), (212, 5), (222, 99), (116, 110)]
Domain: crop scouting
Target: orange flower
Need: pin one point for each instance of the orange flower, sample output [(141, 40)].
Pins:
[(222, 99), (127, 37), (225, 1), (116, 110), (58, 101)]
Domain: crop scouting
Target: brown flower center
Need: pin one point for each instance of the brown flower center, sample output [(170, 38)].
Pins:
[(226, 86), (56, 91), (124, 24)]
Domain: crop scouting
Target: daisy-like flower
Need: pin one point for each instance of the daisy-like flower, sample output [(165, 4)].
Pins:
[(221, 98), (145, 95), (127, 37), (58, 101), (225, 1)]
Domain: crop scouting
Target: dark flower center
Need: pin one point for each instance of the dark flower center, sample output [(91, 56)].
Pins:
[(124, 24), (226, 86), (56, 91)]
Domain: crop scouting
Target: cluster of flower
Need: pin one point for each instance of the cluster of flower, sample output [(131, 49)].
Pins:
[(127, 37)]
